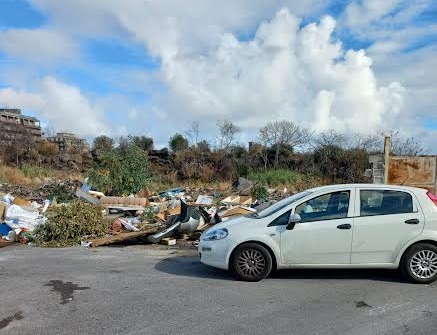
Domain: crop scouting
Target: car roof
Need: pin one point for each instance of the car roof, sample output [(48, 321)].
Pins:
[(373, 186)]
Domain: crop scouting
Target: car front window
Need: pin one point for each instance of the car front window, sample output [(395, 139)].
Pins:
[(330, 206), (281, 204)]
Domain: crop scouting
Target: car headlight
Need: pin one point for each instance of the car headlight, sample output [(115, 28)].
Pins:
[(216, 234)]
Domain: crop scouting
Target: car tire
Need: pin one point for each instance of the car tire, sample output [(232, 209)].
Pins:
[(251, 262), (419, 264)]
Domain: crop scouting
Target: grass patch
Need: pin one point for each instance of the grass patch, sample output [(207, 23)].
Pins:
[(273, 178), (33, 171), (11, 175)]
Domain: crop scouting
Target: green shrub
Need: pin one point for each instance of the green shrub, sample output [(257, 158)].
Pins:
[(68, 224), (62, 194), (260, 193), (33, 171), (121, 172)]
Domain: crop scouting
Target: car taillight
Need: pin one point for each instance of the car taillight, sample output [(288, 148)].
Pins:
[(433, 197)]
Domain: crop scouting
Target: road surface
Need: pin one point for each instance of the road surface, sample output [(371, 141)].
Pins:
[(133, 290)]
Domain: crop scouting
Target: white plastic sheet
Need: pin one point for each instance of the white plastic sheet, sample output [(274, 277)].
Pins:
[(19, 218)]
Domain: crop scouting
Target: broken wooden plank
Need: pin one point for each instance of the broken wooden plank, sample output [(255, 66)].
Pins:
[(4, 243), (122, 237)]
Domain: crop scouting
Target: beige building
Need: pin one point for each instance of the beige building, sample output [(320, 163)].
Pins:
[(67, 141), (14, 124)]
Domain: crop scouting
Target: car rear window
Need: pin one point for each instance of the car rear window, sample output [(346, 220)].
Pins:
[(385, 202)]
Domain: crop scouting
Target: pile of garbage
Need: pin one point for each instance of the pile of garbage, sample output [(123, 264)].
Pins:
[(93, 219)]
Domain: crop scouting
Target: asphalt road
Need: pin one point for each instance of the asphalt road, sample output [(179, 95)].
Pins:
[(136, 291)]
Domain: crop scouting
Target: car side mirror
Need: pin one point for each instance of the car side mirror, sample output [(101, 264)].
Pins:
[(292, 220)]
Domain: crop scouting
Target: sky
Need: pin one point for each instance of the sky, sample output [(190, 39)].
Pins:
[(152, 67)]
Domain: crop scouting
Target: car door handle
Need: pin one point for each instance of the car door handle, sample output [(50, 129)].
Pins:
[(412, 221), (345, 226)]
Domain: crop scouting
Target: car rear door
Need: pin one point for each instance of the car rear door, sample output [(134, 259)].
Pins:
[(386, 219), (324, 235)]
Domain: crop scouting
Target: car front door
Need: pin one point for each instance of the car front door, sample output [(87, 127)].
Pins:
[(324, 234), (386, 220)]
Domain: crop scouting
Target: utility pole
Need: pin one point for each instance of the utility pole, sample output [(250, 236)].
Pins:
[(387, 145)]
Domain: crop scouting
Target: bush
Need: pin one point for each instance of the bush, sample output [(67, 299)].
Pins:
[(62, 194), (273, 178), (67, 225), (33, 171), (121, 172), (260, 193)]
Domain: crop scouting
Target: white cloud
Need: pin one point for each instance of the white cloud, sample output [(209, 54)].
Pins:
[(284, 73), (166, 27), (361, 13), (62, 105), (42, 45), (209, 72)]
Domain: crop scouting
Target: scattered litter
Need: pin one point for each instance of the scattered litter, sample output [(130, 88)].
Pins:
[(168, 241), (80, 193), (203, 200), (75, 214), (237, 211)]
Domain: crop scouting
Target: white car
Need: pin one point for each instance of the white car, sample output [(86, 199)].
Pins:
[(338, 226)]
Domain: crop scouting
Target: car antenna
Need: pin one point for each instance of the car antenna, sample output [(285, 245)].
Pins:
[(408, 177)]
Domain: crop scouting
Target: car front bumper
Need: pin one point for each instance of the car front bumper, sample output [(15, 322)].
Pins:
[(215, 253)]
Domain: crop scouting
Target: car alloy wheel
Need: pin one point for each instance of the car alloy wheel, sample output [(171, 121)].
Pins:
[(251, 262), (423, 264)]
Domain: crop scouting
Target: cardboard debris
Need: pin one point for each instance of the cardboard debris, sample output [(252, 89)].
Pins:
[(239, 210), (21, 202), (123, 202), (238, 200), (232, 199), (3, 207), (144, 193), (168, 241), (161, 216), (175, 211), (246, 200), (96, 194)]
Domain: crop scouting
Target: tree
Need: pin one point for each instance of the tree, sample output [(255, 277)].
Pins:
[(143, 142), (121, 172), (17, 143), (48, 151), (123, 143), (203, 146), (177, 143), (369, 143), (402, 146), (331, 138), (103, 142), (280, 134), (194, 132), (227, 134)]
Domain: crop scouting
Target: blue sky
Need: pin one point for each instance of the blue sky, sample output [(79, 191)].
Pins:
[(153, 67)]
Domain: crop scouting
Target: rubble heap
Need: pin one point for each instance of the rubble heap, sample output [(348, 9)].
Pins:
[(64, 214)]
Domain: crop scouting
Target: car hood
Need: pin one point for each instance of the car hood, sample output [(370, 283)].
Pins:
[(241, 220)]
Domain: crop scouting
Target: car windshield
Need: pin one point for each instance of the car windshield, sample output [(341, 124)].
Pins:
[(280, 204)]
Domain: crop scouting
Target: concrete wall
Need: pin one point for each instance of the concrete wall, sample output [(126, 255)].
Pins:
[(414, 171)]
